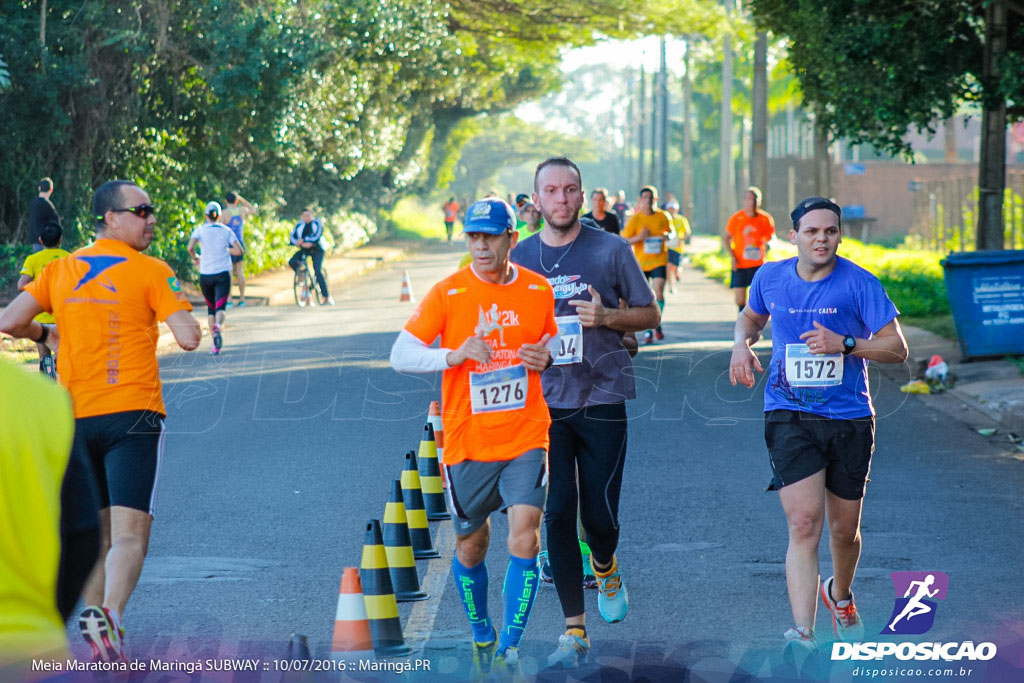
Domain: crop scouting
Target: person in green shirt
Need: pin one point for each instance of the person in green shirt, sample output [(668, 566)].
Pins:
[(49, 241)]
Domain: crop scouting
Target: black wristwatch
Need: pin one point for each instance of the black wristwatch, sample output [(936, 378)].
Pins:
[(849, 343), (44, 335)]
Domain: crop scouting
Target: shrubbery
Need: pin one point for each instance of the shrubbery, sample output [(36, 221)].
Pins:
[(913, 278)]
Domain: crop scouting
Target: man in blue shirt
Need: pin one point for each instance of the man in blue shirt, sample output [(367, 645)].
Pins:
[(829, 317)]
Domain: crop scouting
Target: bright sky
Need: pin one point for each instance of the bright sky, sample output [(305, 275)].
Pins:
[(620, 53)]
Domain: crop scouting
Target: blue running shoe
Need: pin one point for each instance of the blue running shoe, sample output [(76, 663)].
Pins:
[(572, 650), (612, 599)]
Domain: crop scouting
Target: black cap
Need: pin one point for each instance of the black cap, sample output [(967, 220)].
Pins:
[(520, 198), (812, 204)]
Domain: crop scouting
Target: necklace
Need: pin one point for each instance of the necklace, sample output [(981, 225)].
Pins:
[(540, 253)]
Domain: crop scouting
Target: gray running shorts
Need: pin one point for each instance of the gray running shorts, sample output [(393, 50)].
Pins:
[(476, 489)]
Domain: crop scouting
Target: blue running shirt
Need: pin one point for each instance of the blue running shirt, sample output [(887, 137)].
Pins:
[(849, 301)]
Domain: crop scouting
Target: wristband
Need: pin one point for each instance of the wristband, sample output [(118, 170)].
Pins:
[(44, 335)]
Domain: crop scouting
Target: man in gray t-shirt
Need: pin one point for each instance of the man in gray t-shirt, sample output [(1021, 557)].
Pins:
[(586, 389)]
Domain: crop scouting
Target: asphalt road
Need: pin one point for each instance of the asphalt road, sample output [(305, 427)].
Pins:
[(280, 449)]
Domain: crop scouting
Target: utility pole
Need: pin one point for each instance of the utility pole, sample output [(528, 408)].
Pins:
[(992, 173), (726, 193), (687, 199), (663, 119), (641, 137), (652, 172), (759, 126)]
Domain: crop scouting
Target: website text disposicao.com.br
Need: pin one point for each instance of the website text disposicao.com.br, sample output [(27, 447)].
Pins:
[(887, 672)]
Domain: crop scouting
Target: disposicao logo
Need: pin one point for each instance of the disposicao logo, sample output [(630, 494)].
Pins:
[(914, 614), (916, 593)]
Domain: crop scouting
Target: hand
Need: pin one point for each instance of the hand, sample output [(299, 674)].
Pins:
[(822, 340), (535, 357), (645, 233), (591, 313), (306, 245), (474, 348), (742, 364), (52, 338)]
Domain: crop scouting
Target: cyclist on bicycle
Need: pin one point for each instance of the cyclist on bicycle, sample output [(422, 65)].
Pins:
[(306, 236)]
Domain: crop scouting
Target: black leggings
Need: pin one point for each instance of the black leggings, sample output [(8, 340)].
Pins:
[(591, 442), (317, 255)]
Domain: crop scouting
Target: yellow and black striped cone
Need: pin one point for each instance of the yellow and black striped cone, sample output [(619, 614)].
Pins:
[(398, 548), (379, 596), (415, 513), (430, 477)]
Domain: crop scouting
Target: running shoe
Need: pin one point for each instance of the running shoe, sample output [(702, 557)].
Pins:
[(545, 568), (846, 623), (648, 338), (506, 663), (218, 340), (330, 301), (241, 303), (106, 640), (658, 334), (800, 645), (483, 655), (48, 367), (612, 600), (229, 304), (571, 652)]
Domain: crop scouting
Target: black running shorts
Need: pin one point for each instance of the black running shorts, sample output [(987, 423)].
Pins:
[(125, 451), (801, 444), (659, 271), (742, 277)]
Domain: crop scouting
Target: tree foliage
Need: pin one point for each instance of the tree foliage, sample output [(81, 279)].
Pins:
[(872, 69)]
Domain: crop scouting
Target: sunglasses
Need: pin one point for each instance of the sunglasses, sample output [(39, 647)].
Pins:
[(142, 210)]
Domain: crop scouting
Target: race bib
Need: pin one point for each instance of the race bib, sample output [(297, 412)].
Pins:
[(568, 347), (652, 245), (502, 389), (752, 253), (804, 369)]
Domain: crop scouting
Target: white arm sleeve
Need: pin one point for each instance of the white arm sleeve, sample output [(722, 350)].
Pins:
[(410, 354)]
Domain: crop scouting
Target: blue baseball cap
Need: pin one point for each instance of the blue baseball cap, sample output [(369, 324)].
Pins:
[(491, 216)]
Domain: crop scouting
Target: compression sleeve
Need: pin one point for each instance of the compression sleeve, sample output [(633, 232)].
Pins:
[(410, 354)]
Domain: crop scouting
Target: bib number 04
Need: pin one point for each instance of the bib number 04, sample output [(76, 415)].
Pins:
[(497, 390), (804, 369), (567, 348)]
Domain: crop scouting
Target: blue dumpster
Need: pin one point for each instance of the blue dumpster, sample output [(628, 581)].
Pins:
[(986, 296)]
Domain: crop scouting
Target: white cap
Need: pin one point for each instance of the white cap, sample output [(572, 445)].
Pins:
[(213, 207)]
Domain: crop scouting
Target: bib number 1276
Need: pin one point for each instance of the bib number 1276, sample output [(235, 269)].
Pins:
[(502, 389)]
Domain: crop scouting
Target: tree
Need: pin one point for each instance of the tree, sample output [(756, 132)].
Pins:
[(872, 69)]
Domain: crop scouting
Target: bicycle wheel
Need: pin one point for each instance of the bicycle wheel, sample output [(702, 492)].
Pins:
[(301, 286), (321, 300)]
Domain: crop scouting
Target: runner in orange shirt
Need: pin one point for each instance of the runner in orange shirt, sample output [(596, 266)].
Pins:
[(746, 236), (107, 299), (451, 214), (648, 231), (494, 320)]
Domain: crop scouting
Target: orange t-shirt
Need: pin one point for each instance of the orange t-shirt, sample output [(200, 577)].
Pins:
[(494, 411), (651, 252), (107, 299), (451, 212), (749, 235)]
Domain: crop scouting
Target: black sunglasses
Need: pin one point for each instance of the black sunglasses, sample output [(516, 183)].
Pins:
[(142, 210)]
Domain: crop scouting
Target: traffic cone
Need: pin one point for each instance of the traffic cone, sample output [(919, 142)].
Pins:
[(434, 420), (406, 289), (379, 596), (430, 477), (352, 639), (415, 513), (398, 548), (298, 648)]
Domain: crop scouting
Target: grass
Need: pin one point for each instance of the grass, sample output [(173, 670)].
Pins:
[(19, 351), (1018, 362), (414, 220)]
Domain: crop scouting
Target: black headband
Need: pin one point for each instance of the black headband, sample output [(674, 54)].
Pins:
[(812, 204)]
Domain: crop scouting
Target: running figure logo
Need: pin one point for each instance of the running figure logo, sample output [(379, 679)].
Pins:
[(488, 322), (914, 613)]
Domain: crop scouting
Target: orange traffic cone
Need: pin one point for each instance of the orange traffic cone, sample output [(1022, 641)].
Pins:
[(434, 420), (398, 548), (415, 512), (406, 289), (379, 596), (352, 639), (430, 478)]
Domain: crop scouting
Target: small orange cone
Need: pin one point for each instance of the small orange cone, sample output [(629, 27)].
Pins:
[(406, 289), (352, 639), (434, 420)]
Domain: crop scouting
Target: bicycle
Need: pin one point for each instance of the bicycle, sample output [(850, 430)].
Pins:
[(305, 287)]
